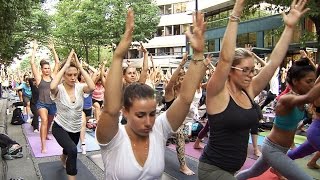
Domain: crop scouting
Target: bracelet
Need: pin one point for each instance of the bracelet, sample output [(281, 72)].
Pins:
[(234, 18)]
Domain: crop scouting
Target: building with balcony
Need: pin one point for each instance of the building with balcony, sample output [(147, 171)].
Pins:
[(169, 41)]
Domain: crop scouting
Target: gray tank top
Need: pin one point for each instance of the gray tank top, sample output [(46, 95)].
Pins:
[(44, 92)]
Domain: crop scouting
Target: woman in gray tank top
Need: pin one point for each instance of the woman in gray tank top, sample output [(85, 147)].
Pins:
[(46, 107)]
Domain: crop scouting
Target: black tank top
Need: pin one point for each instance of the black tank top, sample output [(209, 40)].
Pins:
[(229, 134), (168, 104)]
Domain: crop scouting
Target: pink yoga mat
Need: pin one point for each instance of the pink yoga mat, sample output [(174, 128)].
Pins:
[(53, 148), (266, 176)]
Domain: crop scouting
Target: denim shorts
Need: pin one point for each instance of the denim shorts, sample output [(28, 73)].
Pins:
[(52, 109)]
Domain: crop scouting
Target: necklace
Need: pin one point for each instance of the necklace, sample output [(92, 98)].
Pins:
[(141, 157)]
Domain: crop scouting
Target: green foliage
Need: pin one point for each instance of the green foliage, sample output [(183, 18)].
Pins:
[(20, 22), (88, 24)]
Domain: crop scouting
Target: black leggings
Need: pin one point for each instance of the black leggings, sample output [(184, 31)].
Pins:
[(35, 119), (68, 141)]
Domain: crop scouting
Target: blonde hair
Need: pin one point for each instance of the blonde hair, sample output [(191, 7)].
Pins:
[(241, 53)]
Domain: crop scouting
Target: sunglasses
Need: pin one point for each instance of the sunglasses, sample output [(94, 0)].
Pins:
[(245, 70)]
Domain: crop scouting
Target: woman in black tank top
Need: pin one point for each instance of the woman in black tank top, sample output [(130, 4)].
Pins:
[(230, 91)]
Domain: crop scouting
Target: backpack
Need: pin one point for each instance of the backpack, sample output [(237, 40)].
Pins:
[(17, 117), (196, 128)]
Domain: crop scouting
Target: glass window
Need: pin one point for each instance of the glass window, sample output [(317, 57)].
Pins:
[(177, 50), (152, 51), (211, 45), (176, 30), (168, 30), (268, 38), (252, 39), (134, 54), (184, 28), (161, 10), (167, 9), (160, 31), (179, 8)]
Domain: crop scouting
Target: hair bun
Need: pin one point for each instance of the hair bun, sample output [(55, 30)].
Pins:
[(302, 62)]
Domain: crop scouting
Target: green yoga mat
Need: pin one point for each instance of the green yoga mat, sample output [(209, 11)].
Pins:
[(298, 139), (302, 163)]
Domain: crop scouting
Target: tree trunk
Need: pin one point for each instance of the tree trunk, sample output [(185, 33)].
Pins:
[(87, 53), (98, 53)]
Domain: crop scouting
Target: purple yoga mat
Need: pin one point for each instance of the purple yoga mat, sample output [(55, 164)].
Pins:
[(53, 148), (189, 150)]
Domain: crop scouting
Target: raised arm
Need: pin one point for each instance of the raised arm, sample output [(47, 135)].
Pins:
[(193, 77), (144, 72), (89, 87), (56, 59), (260, 81), (169, 92), (217, 81), (102, 72), (56, 81), (34, 69), (108, 125)]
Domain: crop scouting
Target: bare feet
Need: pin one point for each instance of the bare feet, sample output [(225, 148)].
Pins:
[(63, 160), (312, 165), (277, 174), (257, 152), (197, 146), (47, 138), (43, 150), (185, 170)]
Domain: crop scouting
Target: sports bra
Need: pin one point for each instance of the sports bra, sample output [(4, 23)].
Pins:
[(290, 121)]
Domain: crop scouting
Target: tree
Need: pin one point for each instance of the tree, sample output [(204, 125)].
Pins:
[(281, 5), (88, 25), (19, 23)]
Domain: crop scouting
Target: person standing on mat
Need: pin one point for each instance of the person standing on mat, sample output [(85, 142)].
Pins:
[(46, 107), (230, 93), (68, 97), (33, 102), (136, 150)]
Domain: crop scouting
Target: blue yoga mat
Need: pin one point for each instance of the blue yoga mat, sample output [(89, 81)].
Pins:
[(91, 143), (260, 140)]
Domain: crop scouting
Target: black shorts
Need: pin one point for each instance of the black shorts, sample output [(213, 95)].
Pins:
[(87, 112), (100, 102)]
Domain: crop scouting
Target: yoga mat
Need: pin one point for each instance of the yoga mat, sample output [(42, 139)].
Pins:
[(269, 115), (172, 166), (55, 170), (260, 140), (189, 150), (302, 163), (266, 176), (97, 159), (53, 148)]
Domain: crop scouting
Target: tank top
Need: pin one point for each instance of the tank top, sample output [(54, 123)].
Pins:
[(44, 91), (229, 135), (290, 121), (98, 93)]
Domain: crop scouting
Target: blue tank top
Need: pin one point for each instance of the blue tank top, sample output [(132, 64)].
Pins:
[(229, 136), (290, 121)]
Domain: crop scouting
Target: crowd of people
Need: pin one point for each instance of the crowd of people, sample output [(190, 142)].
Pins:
[(133, 134)]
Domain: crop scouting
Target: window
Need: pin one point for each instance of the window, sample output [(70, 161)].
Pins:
[(161, 10), (184, 28), (248, 38), (160, 31), (164, 51), (167, 9), (268, 38), (211, 45), (168, 30), (176, 30), (177, 50), (152, 51), (133, 54), (179, 8)]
